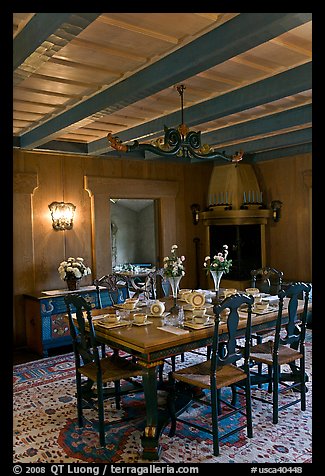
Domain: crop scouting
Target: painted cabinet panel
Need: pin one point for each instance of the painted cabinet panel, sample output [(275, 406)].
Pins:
[(46, 326)]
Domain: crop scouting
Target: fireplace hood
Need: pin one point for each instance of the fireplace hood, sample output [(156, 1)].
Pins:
[(235, 197)]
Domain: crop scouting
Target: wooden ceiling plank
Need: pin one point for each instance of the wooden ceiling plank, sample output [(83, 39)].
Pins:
[(298, 49), (136, 29), (81, 43), (60, 60), (161, 74)]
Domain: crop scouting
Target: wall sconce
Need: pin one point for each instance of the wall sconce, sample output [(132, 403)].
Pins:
[(195, 208), (276, 207), (62, 215)]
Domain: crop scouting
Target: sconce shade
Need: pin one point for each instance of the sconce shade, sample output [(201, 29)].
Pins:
[(195, 208), (62, 215)]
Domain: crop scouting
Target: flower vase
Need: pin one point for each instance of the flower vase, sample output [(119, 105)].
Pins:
[(216, 275), (174, 284), (72, 283)]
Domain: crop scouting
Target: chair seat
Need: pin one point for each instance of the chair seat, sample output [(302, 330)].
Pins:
[(113, 368), (264, 353), (199, 375)]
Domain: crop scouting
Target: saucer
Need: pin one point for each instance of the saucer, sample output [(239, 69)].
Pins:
[(141, 323)]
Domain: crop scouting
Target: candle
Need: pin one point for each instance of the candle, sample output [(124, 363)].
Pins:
[(244, 197), (253, 196), (249, 196), (261, 200), (226, 197)]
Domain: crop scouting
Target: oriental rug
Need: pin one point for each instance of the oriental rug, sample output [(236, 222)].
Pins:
[(45, 428)]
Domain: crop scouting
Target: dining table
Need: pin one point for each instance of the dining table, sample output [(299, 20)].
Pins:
[(153, 342)]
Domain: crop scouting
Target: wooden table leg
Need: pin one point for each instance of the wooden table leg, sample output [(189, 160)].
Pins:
[(150, 437)]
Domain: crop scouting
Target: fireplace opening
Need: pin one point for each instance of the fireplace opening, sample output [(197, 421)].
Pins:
[(244, 246)]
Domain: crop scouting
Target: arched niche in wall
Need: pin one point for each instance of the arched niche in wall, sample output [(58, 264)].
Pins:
[(101, 189)]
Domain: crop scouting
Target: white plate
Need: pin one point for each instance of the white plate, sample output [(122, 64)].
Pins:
[(110, 325)]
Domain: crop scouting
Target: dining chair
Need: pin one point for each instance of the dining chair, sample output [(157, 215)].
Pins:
[(88, 364), (117, 288), (286, 348), (213, 375), (268, 280)]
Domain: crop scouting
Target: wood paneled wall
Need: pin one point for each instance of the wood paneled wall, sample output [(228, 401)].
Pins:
[(40, 178)]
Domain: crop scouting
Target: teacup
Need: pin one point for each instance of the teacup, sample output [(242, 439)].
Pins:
[(111, 318), (261, 306), (229, 292), (130, 303), (224, 314), (252, 291), (200, 319), (140, 318), (257, 298), (182, 293), (199, 311)]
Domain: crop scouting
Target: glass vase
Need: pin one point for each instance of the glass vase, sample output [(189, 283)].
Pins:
[(216, 275), (174, 284)]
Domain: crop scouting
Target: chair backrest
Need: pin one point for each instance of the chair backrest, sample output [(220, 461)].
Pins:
[(115, 286), (154, 283), (267, 280), (84, 343), (295, 329), (227, 352)]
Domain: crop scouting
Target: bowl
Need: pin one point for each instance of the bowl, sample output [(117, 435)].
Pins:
[(140, 318), (252, 291)]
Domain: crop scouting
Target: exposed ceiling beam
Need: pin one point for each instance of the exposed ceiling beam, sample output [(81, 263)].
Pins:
[(258, 27), (283, 152), (39, 28)]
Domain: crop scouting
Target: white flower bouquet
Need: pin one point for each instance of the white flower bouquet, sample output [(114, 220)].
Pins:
[(173, 264), (73, 268), (219, 261)]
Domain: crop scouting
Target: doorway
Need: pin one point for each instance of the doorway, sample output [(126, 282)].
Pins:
[(133, 232)]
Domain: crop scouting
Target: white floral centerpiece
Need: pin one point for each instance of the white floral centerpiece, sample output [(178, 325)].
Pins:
[(173, 264), (217, 266), (73, 269), (174, 271), (219, 261)]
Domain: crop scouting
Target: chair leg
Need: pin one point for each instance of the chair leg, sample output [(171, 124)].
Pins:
[(79, 399), (270, 373), (208, 352), (215, 410), (182, 358), (173, 359), (249, 422), (101, 417), (117, 386), (276, 373), (160, 372), (171, 405), (302, 385)]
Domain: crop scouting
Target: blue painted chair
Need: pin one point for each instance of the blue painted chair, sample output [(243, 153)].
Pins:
[(211, 376)]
